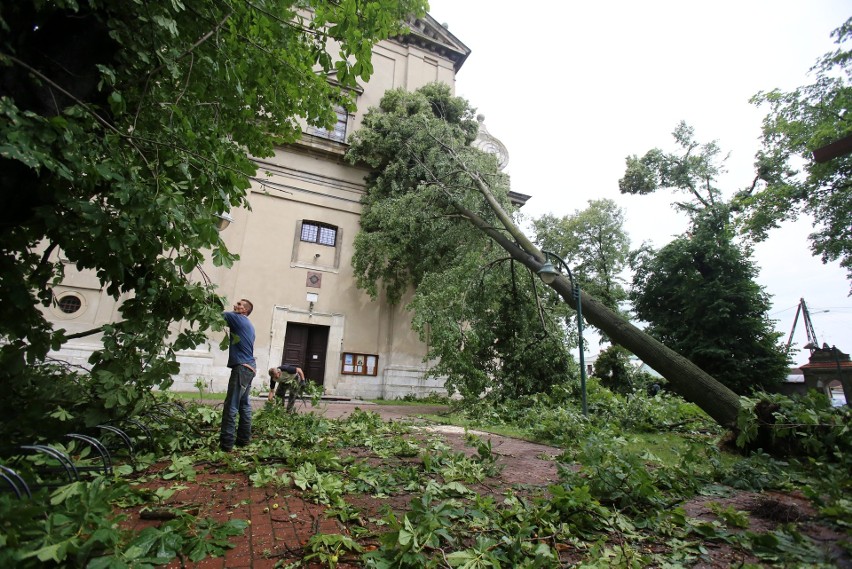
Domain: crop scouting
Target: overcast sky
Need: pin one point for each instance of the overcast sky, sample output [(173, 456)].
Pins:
[(573, 88)]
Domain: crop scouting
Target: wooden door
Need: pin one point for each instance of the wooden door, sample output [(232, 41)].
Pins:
[(306, 345)]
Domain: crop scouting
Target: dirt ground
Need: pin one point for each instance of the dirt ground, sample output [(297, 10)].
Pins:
[(282, 523)]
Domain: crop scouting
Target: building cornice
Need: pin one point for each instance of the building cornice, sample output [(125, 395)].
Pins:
[(427, 34), (518, 199)]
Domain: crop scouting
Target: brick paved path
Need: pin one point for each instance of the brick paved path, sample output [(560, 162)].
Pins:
[(281, 523)]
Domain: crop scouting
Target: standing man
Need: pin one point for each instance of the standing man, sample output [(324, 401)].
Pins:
[(243, 365), (287, 387)]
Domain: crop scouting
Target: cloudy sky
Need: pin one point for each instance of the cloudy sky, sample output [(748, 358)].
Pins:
[(573, 88)]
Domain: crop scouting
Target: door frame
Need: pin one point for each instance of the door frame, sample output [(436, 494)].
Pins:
[(302, 342), (281, 315)]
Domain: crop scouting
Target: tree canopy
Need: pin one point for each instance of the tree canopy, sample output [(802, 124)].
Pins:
[(692, 171), (594, 242), (789, 179), (698, 292), (699, 297), (477, 309), (125, 127)]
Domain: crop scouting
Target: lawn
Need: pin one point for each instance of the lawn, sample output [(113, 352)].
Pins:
[(205, 396)]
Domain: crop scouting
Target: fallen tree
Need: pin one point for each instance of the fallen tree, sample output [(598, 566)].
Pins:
[(419, 144)]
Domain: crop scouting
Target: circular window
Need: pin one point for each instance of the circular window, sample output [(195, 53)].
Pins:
[(69, 304)]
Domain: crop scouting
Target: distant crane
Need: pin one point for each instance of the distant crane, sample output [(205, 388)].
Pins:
[(812, 344)]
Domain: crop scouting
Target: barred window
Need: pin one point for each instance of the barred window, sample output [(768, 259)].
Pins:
[(69, 304), (321, 233)]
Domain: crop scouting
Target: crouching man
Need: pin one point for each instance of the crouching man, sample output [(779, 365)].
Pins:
[(290, 382)]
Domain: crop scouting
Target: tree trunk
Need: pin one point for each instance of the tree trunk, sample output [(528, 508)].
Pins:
[(687, 379)]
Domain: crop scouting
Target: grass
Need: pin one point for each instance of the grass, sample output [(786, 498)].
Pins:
[(502, 430), (193, 395), (457, 420), (406, 402), (668, 447)]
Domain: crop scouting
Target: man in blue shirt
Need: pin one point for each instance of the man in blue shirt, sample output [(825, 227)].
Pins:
[(243, 366)]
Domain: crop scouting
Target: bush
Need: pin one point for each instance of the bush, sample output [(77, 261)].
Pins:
[(431, 398)]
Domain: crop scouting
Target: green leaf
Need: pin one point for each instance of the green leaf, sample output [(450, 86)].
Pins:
[(65, 492), (61, 414), (460, 558), (55, 552)]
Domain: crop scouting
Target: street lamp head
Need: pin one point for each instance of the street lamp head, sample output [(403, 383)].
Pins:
[(548, 273), (223, 220)]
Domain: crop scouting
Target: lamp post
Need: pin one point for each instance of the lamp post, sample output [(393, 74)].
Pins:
[(548, 274)]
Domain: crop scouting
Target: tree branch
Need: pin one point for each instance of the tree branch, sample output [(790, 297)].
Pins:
[(91, 332), (191, 48), (45, 257), (493, 204)]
